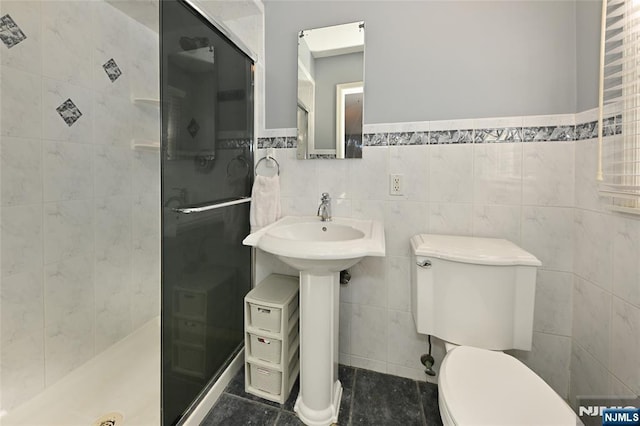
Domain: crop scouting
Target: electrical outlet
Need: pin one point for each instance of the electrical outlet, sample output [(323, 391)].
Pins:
[(396, 184)]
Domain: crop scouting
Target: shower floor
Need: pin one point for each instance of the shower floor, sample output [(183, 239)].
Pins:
[(124, 379)]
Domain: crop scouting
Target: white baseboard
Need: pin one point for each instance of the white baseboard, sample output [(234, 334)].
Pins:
[(201, 411)]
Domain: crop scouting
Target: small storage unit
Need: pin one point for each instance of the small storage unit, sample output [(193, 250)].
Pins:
[(272, 338), (200, 320)]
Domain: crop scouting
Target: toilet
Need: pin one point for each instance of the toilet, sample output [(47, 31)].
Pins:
[(477, 295)]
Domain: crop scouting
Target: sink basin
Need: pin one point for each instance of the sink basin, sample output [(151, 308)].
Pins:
[(307, 243), (317, 231)]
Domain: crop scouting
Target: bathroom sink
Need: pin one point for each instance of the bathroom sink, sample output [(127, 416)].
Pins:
[(307, 243), (319, 250)]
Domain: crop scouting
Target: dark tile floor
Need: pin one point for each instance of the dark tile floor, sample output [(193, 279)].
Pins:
[(368, 398)]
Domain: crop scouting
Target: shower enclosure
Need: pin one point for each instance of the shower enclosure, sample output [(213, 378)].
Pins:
[(80, 216), (207, 172), (102, 185)]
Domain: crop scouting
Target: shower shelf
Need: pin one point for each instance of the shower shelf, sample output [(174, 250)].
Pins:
[(147, 101), (145, 145)]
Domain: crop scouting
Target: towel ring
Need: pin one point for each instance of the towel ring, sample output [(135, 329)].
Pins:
[(268, 158)]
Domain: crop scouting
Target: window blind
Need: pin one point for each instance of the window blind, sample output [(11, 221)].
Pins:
[(618, 122)]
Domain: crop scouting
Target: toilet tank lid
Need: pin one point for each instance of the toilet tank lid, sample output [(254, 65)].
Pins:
[(477, 250)]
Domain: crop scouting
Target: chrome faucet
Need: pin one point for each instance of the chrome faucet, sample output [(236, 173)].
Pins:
[(324, 210)]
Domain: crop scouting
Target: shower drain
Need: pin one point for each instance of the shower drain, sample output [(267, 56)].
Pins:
[(110, 419)]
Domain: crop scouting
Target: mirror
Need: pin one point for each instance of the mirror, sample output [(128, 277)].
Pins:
[(331, 91)]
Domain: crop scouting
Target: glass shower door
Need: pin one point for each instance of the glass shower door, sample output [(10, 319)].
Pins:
[(207, 170)]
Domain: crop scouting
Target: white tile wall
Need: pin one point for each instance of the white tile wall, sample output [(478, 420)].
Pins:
[(592, 316), (450, 173), (467, 189), (69, 310), (548, 174), (450, 218), (21, 103), (549, 357), (593, 247), (625, 343), (605, 358), (80, 239), (588, 376), (547, 232), (497, 173), (29, 57), (21, 171), (626, 268), (369, 333), (554, 294), (541, 195), (22, 238)]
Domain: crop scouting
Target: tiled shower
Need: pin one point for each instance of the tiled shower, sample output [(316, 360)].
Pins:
[(80, 217)]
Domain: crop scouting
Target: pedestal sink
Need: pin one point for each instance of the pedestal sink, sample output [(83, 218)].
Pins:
[(319, 250)]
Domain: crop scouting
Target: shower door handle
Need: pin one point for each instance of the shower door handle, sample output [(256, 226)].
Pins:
[(199, 209)]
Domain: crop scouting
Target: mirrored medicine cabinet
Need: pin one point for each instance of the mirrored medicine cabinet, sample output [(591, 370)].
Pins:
[(331, 91)]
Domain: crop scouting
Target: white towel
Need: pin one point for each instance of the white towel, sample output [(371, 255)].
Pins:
[(265, 201)]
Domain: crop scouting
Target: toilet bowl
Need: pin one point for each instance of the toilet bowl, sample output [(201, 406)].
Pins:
[(482, 387), (477, 295)]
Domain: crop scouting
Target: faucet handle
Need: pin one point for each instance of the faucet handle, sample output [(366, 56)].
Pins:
[(325, 196)]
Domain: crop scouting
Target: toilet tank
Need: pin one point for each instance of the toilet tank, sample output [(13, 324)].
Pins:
[(473, 291)]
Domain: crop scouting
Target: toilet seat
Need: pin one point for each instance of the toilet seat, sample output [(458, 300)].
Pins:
[(483, 387)]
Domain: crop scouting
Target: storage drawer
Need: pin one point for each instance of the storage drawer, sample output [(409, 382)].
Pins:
[(189, 360), (265, 349), (190, 303), (187, 331), (265, 318), (265, 379)]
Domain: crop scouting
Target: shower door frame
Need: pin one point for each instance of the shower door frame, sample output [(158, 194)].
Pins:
[(195, 7)]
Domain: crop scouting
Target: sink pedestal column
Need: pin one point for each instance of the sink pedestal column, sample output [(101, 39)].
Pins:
[(318, 403)]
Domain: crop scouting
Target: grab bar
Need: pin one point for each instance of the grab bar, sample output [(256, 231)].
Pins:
[(199, 209)]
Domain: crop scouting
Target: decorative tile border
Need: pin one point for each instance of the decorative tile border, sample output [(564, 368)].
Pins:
[(586, 131), (510, 134), (408, 138), (277, 142), (322, 156), (451, 136), (507, 134), (233, 143), (375, 139), (548, 133)]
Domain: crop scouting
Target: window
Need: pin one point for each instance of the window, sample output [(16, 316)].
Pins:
[(619, 128)]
